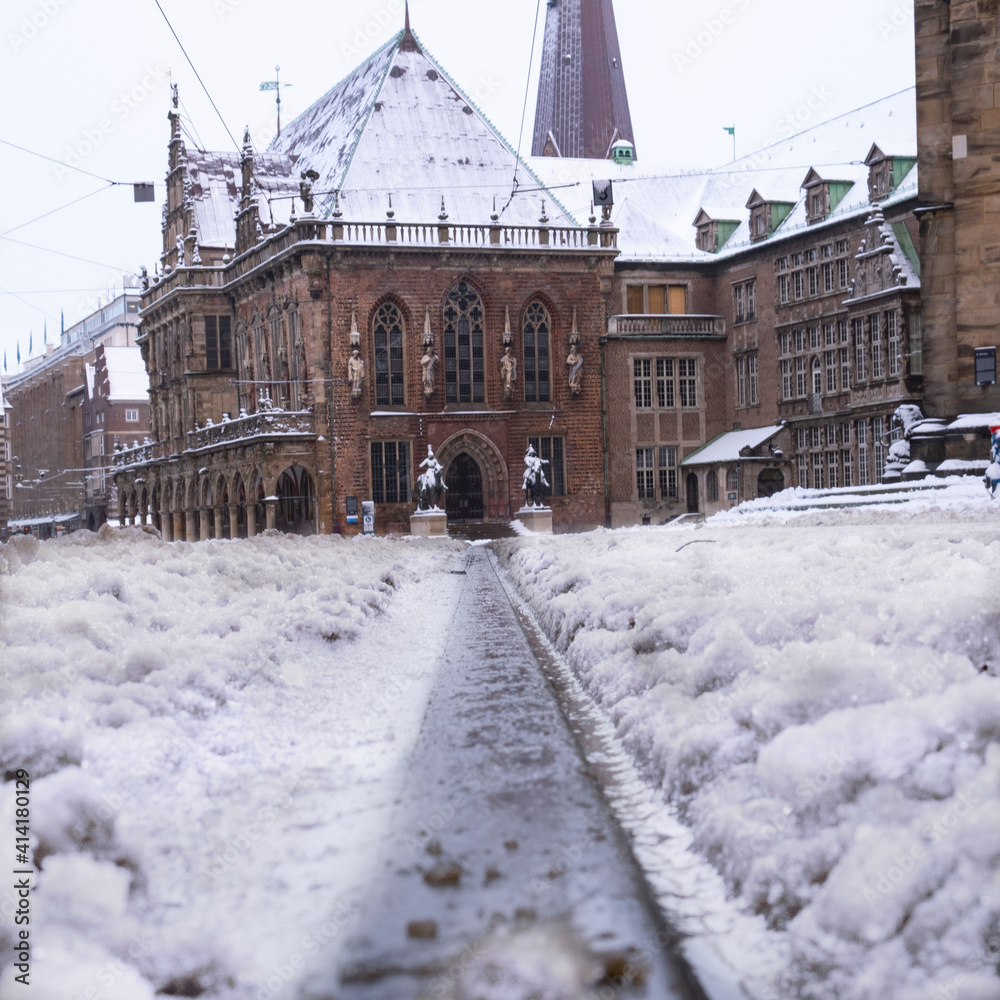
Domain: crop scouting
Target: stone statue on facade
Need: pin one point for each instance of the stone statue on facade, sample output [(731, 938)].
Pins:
[(305, 190), (428, 364), (533, 482), (508, 372), (574, 362), (355, 372)]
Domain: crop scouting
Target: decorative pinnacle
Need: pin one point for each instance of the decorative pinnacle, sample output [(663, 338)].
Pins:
[(428, 333), (390, 213), (508, 337), (543, 218), (444, 214), (355, 333), (574, 336), (336, 204), (494, 217)]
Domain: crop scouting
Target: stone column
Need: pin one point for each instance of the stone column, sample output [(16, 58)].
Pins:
[(218, 522), (178, 526), (251, 519), (121, 509), (205, 526), (167, 522), (271, 508), (190, 529), (234, 520)]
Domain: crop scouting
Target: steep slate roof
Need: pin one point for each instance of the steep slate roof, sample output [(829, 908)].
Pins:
[(399, 126), (654, 207)]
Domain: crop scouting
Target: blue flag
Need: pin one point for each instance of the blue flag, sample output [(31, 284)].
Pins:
[(19, 352), (5, 359), (31, 342)]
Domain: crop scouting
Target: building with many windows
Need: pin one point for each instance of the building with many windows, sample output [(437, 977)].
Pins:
[(778, 292), (49, 439), (381, 292)]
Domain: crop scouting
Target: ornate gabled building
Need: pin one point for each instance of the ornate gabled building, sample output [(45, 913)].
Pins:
[(370, 287), (582, 108)]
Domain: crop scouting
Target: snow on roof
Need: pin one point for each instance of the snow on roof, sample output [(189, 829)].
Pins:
[(727, 447), (654, 207), (399, 126), (127, 373), (215, 192)]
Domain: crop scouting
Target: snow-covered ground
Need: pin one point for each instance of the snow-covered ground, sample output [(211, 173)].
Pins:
[(216, 734), (816, 693)]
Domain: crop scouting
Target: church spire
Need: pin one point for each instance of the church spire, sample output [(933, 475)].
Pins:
[(582, 106)]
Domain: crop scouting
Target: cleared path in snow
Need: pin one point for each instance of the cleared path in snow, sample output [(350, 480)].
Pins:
[(507, 875)]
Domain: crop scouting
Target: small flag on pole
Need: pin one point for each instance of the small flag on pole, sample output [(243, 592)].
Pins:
[(5, 359), (31, 342), (45, 334), (19, 352), (731, 129)]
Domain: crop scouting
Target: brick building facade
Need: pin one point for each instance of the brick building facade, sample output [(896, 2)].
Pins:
[(48, 438), (301, 365)]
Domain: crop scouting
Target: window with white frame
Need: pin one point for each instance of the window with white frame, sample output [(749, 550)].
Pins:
[(665, 397), (832, 469), (802, 467), (817, 471), (797, 284), (752, 378), (828, 276), (711, 485), (842, 330), (668, 473), (786, 379), (782, 288), (800, 376), (878, 447), (741, 381), (848, 468), (875, 326), (829, 335), (845, 369), (892, 341), (644, 473), (861, 429), (390, 471), (688, 382), (732, 480), (132, 416), (843, 273), (831, 371), (813, 273), (642, 381), (860, 355)]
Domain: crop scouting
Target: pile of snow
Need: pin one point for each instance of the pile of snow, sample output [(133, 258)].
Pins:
[(822, 708), (951, 498), (215, 735)]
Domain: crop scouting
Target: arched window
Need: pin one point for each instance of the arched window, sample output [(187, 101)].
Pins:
[(388, 334), (537, 326), (463, 346), (711, 485), (732, 480)]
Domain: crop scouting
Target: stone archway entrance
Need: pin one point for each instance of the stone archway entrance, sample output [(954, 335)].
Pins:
[(464, 498), (769, 482), (488, 460), (692, 493)]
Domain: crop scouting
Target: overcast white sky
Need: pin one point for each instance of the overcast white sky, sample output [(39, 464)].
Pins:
[(86, 81)]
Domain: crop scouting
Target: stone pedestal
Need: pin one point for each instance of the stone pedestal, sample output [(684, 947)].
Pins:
[(536, 519), (428, 523)]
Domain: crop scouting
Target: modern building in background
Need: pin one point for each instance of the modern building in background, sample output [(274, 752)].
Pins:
[(47, 399)]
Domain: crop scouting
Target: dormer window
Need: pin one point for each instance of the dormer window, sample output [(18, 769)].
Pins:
[(713, 229), (885, 173), (765, 216), (822, 195)]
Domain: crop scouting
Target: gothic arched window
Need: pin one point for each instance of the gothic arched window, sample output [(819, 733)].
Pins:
[(537, 327), (463, 346), (388, 333)]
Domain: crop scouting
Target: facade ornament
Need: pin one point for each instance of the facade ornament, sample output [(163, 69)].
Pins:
[(508, 337), (508, 372), (389, 212), (308, 178), (355, 373), (494, 217), (429, 362), (574, 361), (143, 278), (543, 218), (174, 95), (337, 213), (443, 215), (355, 333)]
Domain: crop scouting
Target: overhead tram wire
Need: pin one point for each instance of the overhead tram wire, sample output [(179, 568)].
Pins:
[(53, 211), (60, 253)]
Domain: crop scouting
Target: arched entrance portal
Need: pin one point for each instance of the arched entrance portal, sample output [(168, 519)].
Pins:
[(769, 482), (692, 493), (464, 497)]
